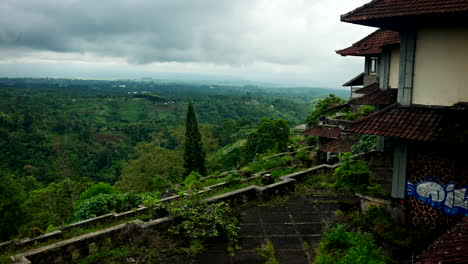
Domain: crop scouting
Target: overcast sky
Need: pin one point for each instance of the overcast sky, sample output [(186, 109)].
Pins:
[(289, 42)]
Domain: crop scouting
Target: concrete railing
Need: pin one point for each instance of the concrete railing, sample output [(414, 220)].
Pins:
[(78, 247), (58, 234)]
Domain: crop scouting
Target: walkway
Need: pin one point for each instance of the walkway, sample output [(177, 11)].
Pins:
[(294, 229)]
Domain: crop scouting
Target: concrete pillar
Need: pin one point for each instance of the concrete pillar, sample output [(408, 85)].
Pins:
[(400, 159), (380, 144), (384, 69), (405, 78)]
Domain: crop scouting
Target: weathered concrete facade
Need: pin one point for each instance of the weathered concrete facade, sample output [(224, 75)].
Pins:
[(436, 184), (441, 63)]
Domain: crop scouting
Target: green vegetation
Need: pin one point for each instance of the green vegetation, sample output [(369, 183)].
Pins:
[(194, 155), (379, 222), (321, 107), (58, 137), (105, 203), (198, 222), (352, 173), (267, 251), (270, 135), (339, 245), (366, 143)]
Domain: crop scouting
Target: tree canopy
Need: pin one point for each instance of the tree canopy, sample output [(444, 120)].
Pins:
[(321, 107), (269, 135), (194, 155)]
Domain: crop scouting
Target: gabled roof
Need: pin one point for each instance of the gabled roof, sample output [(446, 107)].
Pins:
[(323, 131), (417, 122), (356, 81), (378, 97), (373, 87), (381, 12), (372, 43), (340, 145)]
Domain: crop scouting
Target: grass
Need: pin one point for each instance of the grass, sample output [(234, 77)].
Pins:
[(342, 246), (267, 251)]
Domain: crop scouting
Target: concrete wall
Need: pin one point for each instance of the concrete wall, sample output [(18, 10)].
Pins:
[(441, 66), (61, 252), (394, 67), (369, 78)]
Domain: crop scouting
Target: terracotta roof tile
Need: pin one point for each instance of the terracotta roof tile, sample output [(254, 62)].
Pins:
[(390, 9), (416, 122), (356, 81), (338, 107), (372, 44), (323, 131), (377, 97), (340, 145), (450, 247), (368, 89)]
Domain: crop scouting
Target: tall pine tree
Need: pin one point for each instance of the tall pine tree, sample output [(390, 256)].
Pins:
[(194, 156)]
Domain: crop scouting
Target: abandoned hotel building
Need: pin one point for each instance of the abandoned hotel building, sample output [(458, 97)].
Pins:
[(416, 73)]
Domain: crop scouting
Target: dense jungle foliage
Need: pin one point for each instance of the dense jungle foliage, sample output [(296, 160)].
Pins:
[(59, 137)]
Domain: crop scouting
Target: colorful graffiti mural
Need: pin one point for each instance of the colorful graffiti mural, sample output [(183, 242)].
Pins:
[(451, 200)]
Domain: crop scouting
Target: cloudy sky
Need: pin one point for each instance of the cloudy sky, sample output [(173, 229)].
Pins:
[(288, 42)]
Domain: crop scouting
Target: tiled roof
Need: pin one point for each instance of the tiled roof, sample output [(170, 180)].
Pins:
[(372, 44), (391, 9), (416, 122), (373, 87), (450, 247), (377, 97), (323, 131), (340, 145), (341, 106), (356, 81)]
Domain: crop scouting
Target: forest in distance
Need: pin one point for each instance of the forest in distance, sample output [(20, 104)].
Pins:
[(58, 137)]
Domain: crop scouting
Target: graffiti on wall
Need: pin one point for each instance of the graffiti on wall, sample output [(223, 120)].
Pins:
[(451, 200)]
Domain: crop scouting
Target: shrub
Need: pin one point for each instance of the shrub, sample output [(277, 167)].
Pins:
[(105, 203), (302, 155), (200, 221), (233, 179), (365, 144), (281, 172), (96, 189), (267, 251), (341, 246), (366, 110), (352, 173), (264, 164), (192, 181), (349, 116), (160, 184), (312, 141)]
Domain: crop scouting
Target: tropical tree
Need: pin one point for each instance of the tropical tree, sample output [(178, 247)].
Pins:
[(194, 155), (321, 107), (269, 135), (151, 161)]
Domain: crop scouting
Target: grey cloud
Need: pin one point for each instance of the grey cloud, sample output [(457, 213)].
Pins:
[(142, 31)]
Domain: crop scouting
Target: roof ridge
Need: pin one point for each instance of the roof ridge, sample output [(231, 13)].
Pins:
[(386, 109), (373, 2)]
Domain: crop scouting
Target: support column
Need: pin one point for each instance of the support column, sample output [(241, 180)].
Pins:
[(380, 144), (400, 159), (384, 69), (405, 78)]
